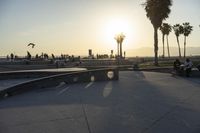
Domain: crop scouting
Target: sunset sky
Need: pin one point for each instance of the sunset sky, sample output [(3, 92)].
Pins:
[(74, 26)]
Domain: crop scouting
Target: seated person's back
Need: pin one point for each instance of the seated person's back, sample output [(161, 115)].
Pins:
[(177, 64)]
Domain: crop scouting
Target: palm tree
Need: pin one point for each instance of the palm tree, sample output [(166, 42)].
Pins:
[(118, 42), (168, 29), (162, 29), (157, 11), (178, 30), (187, 29), (165, 30), (119, 38)]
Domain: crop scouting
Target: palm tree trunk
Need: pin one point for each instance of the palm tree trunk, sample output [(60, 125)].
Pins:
[(184, 46), (120, 50), (178, 46), (117, 50), (168, 47), (163, 40), (156, 46)]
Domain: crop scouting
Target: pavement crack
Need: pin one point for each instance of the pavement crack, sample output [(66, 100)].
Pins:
[(85, 116), (44, 121), (159, 119), (167, 113)]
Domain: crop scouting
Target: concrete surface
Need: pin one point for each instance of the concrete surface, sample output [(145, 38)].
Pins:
[(11, 82), (139, 102)]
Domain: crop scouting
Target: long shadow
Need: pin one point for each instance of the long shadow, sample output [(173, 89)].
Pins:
[(128, 105)]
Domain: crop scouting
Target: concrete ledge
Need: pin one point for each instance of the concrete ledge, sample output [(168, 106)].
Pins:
[(195, 73), (68, 78), (155, 69), (17, 75), (36, 73)]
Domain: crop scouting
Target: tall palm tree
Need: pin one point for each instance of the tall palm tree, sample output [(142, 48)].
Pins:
[(119, 38), (168, 29), (157, 11), (162, 29), (165, 30), (178, 30), (187, 29)]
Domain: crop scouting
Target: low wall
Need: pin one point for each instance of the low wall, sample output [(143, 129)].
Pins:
[(37, 73), (17, 75), (68, 78), (195, 73)]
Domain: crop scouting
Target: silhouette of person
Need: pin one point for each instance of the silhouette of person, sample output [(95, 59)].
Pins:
[(177, 65), (7, 57), (12, 56), (188, 67)]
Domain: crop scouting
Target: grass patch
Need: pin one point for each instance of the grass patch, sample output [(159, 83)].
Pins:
[(163, 64)]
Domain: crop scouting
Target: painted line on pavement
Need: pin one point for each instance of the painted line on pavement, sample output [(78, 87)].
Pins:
[(88, 85), (63, 90)]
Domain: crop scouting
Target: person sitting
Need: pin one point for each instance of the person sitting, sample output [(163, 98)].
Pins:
[(188, 67), (177, 65)]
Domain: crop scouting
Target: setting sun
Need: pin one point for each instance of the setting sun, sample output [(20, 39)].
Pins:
[(117, 26)]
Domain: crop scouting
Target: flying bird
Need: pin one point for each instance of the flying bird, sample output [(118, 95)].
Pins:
[(31, 44)]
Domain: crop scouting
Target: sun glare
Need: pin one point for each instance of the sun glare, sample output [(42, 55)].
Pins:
[(114, 27)]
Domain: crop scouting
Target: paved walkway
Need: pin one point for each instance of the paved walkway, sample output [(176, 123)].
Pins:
[(140, 102)]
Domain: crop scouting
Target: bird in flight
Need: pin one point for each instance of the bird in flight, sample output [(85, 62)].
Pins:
[(31, 44)]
